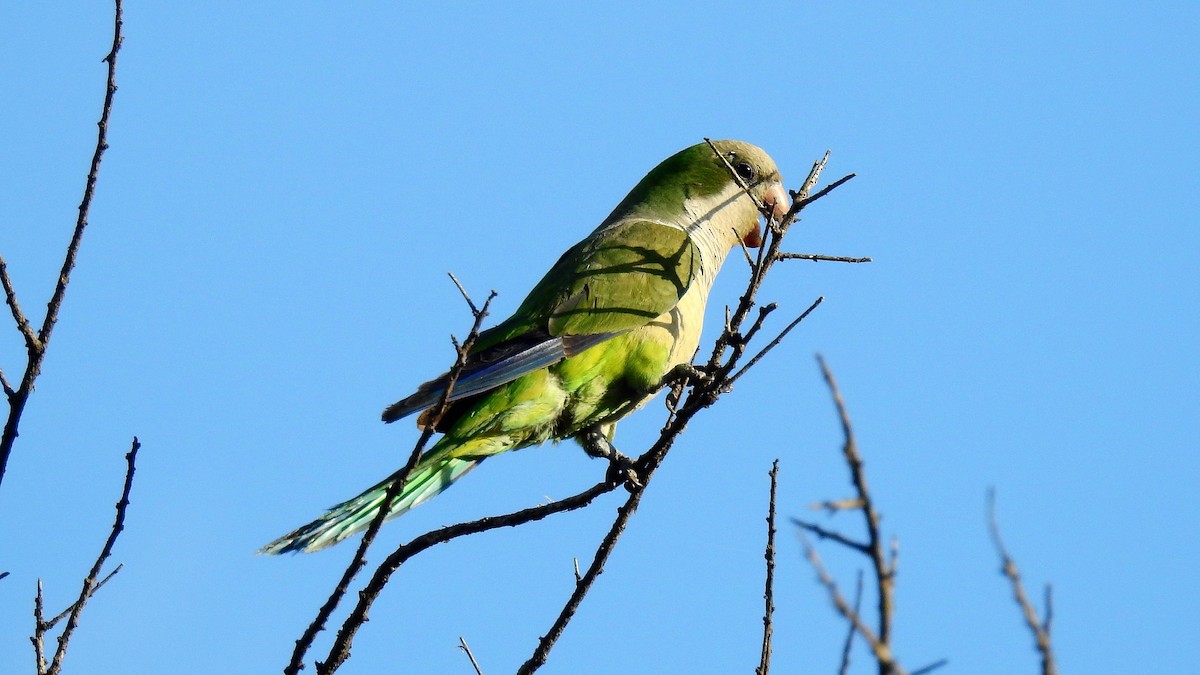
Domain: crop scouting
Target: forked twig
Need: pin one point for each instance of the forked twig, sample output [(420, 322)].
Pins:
[(884, 575), (778, 338), (462, 644), (879, 638), (340, 650), (880, 649), (91, 584)]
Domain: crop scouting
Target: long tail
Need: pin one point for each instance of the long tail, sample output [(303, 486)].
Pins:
[(434, 473)]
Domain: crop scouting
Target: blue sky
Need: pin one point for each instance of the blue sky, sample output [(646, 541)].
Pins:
[(289, 183)]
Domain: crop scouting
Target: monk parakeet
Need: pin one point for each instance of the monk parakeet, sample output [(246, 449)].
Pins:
[(594, 338)]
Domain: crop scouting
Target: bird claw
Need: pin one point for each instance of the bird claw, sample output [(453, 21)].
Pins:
[(678, 379), (597, 445), (621, 469), (626, 475), (625, 471), (685, 372)]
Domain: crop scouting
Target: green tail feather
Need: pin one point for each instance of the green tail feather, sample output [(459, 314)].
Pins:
[(434, 473)]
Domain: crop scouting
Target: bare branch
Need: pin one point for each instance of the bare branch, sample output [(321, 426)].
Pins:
[(883, 573), (880, 648), (814, 175), (805, 201), (745, 251), (818, 258), (832, 535), (1039, 629), (763, 313), (462, 644), (764, 664), (925, 670), (851, 632), (32, 344), (100, 584), (90, 583), (474, 310), (884, 564), (36, 345), (778, 338), (360, 558), (831, 507), (624, 512), (39, 630), (340, 650)]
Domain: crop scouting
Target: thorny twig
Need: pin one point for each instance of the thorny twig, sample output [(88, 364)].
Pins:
[(36, 344)]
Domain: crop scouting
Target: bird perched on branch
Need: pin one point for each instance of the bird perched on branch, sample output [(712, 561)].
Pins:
[(594, 338)]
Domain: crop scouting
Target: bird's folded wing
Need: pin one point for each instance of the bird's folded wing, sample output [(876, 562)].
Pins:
[(620, 278), (480, 377)]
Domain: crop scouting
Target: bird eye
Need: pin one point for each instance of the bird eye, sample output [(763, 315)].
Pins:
[(745, 171)]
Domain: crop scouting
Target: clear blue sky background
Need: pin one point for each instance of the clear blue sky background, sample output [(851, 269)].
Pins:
[(289, 183)]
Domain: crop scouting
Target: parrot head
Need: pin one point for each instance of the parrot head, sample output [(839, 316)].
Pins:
[(695, 185)]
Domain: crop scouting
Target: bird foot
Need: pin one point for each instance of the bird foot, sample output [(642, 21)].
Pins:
[(679, 378), (685, 372), (621, 469)]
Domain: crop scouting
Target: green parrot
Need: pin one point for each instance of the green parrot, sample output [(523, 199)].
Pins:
[(594, 338)]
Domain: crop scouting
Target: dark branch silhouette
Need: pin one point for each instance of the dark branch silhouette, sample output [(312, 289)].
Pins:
[(37, 343), (91, 584), (764, 663), (340, 651)]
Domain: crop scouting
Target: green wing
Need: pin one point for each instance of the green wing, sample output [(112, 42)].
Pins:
[(618, 279)]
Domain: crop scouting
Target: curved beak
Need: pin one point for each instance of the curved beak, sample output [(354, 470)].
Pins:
[(776, 199)]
